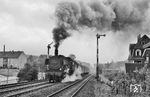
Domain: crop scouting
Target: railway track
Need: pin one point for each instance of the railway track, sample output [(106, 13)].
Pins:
[(71, 90), (18, 84), (17, 91)]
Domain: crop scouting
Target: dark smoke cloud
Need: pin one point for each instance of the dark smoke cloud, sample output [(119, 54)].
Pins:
[(67, 14), (129, 13), (120, 16), (59, 34), (102, 14)]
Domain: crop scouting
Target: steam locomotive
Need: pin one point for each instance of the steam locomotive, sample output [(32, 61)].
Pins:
[(58, 66)]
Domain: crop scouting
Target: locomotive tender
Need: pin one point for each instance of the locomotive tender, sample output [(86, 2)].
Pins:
[(58, 66)]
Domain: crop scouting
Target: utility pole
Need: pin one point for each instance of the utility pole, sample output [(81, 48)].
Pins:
[(5, 63), (8, 70), (97, 68)]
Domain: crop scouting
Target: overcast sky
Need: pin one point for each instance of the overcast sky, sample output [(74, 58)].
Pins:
[(26, 25)]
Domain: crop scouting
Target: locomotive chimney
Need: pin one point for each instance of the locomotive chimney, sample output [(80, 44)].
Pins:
[(56, 50), (138, 37)]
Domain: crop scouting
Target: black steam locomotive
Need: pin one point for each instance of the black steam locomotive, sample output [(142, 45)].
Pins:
[(58, 66)]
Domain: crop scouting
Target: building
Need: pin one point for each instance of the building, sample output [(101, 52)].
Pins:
[(139, 54), (13, 59)]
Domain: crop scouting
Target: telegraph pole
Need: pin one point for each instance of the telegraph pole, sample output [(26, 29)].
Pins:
[(5, 63), (97, 68)]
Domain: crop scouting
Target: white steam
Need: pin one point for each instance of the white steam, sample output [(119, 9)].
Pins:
[(121, 20), (76, 75)]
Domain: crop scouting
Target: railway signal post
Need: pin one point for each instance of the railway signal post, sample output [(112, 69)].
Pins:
[(97, 68), (48, 48)]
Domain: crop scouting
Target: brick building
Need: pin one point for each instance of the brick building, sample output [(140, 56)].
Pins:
[(139, 54), (15, 59)]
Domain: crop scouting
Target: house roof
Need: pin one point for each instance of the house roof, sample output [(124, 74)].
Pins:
[(146, 45), (10, 54), (145, 37)]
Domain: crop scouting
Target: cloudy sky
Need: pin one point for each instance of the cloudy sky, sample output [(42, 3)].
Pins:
[(27, 25)]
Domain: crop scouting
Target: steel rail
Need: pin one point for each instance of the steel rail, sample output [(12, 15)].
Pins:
[(78, 90), (18, 84), (16, 94), (22, 87), (57, 92)]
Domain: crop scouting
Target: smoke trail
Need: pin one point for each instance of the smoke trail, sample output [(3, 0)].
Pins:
[(103, 14), (59, 34), (128, 13), (67, 14), (97, 15), (122, 18)]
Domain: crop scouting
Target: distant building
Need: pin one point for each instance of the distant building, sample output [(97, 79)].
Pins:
[(42, 58), (41, 61), (32, 59), (15, 59), (139, 54), (38, 61)]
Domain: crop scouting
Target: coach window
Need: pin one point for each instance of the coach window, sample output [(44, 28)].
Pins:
[(138, 52)]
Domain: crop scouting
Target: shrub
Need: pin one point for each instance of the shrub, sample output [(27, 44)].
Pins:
[(28, 73)]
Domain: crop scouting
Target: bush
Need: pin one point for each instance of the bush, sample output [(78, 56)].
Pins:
[(28, 73), (122, 82)]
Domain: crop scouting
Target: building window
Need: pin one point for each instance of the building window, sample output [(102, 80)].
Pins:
[(137, 61), (5, 62), (142, 42), (147, 59), (138, 52)]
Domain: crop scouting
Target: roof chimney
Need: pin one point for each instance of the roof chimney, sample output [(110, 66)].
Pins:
[(138, 37)]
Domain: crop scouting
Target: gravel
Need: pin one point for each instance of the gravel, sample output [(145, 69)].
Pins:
[(88, 89), (91, 89), (46, 91), (95, 89)]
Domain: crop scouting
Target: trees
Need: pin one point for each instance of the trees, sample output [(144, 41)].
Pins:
[(28, 73)]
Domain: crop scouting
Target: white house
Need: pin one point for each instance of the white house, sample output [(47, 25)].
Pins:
[(13, 59)]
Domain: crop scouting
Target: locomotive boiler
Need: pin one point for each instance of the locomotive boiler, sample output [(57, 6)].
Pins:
[(58, 66)]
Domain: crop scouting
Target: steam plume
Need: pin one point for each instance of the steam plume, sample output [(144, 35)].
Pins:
[(76, 75), (122, 18)]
